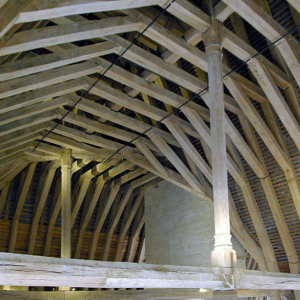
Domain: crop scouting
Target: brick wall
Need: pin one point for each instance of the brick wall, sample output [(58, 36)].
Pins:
[(179, 227)]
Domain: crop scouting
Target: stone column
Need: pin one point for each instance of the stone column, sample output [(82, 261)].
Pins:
[(223, 255), (66, 164)]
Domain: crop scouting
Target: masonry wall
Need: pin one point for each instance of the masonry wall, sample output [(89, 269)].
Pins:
[(179, 227)]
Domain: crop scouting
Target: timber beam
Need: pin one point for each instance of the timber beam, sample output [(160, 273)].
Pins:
[(27, 270), (151, 294)]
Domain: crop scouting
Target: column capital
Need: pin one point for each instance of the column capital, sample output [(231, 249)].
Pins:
[(66, 158), (214, 35)]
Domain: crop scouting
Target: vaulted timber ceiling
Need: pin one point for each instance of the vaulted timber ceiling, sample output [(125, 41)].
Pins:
[(123, 84)]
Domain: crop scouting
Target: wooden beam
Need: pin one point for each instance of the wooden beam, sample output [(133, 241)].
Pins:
[(66, 194), (40, 11), (176, 161), (113, 222), (105, 129), (278, 102), (3, 196), (244, 51), (87, 215), (295, 4), (148, 110), (38, 118), (90, 139), (39, 95), (246, 279), (190, 149), (222, 11), (191, 54), (273, 202), (272, 30), (42, 63), (54, 212), (19, 208), (59, 34), (150, 294), (129, 214), (257, 220), (29, 111), (138, 224), (12, 172), (64, 141), (236, 225), (84, 182), (158, 66), (9, 14), (40, 203), (40, 80), (121, 119), (103, 211), (46, 271), (223, 254), (142, 249)]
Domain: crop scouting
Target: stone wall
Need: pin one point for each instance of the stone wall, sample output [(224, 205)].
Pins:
[(179, 227)]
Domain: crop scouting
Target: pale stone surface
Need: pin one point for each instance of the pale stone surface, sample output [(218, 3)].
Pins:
[(180, 228)]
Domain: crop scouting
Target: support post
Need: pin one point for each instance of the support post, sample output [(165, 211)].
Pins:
[(223, 255), (66, 173), (66, 165)]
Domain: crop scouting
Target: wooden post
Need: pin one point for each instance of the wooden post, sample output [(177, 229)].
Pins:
[(66, 173), (66, 164), (223, 255)]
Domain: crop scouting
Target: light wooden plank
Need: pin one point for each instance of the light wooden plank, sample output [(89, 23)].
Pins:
[(279, 104), (59, 34), (45, 187), (258, 122), (3, 196), (175, 160), (19, 208), (151, 157), (41, 63), (138, 224), (129, 214), (222, 11), (105, 129), (272, 30), (46, 271), (150, 294), (94, 152), (121, 119), (54, 212), (113, 222), (10, 174), (190, 149), (33, 110), (39, 95), (260, 280), (160, 67), (148, 110), (28, 122), (46, 78), (9, 13), (39, 11), (295, 4), (101, 216)]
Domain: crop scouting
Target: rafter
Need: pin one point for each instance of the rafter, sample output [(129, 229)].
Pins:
[(47, 179)]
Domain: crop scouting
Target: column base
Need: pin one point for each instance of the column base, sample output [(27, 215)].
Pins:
[(223, 257)]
